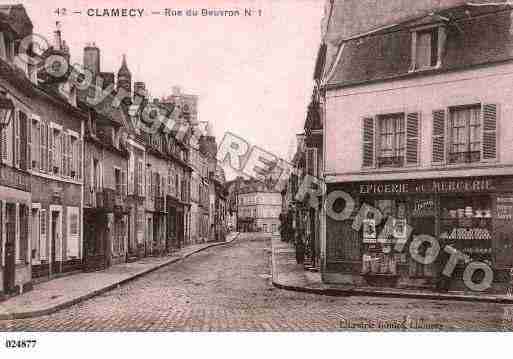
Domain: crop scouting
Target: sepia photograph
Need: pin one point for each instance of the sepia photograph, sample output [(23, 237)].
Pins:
[(170, 169)]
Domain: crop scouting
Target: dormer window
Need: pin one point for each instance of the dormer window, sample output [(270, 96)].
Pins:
[(427, 48)]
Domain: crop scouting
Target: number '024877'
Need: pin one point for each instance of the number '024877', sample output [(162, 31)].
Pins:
[(20, 343)]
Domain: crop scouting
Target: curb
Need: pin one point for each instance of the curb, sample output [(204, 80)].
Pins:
[(56, 308), (336, 292)]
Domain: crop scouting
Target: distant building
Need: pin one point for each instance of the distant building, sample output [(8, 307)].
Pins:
[(258, 208)]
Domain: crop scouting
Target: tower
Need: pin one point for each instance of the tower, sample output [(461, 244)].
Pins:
[(124, 77), (92, 58)]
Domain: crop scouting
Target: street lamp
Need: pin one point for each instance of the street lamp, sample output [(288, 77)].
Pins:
[(6, 111)]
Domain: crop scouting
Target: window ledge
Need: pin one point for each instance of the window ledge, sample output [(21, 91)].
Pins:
[(56, 178), (425, 69), (477, 164)]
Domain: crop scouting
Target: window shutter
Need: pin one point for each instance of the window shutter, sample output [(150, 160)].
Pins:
[(42, 142), (368, 142), (3, 144), (412, 138), (50, 148), (22, 141), (123, 183), (63, 154), (438, 155), (67, 155), (28, 126), (489, 147), (141, 179), (79, 159), (42, 237), (17, 139)]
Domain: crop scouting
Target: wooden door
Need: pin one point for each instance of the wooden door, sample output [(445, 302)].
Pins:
[(10, 257), (53, 252)]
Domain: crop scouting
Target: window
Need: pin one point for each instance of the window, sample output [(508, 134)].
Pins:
[(55, 151), (35, 144), (118, 180), (391, 140), (74, 156), (426, 48), (465, 134), (97, 179)]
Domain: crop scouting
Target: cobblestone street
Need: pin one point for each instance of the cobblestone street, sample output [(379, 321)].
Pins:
[(228, 288)]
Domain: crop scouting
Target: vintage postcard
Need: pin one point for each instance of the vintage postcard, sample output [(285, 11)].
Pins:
[(255, 166)]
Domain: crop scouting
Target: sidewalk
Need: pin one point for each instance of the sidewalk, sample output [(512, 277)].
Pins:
[(289, 275), (51, 296)]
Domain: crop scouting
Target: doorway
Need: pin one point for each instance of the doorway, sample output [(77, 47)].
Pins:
[(55, 221), (10, 248)]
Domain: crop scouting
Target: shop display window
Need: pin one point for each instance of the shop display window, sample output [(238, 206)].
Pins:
[(379, 237), (466, 224)]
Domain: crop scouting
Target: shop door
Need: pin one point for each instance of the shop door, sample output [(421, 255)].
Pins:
[(313, 242), (10, 253), (171, 228), (422, 226), (179, 228), (55, 234)]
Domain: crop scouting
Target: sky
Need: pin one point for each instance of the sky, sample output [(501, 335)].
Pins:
[(253, 75)]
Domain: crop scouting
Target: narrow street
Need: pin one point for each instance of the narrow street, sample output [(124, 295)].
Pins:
[(228, 288)]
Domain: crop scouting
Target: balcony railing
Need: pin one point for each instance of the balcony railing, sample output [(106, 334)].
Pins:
[(465, 157), (389, 161), (15, 178)]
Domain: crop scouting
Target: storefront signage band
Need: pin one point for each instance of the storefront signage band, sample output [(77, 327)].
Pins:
[(430, 186)]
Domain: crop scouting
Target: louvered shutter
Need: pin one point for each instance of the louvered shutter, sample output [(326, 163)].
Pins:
[(368, 142), (28, 126), (79, 159), (3, 144), (50, 149), (131, 170), (489, 146), (16, 127), (22, 141), (43, 151), (438, 151), (123, 183), (67, 156), (63, 139), (412, 138)]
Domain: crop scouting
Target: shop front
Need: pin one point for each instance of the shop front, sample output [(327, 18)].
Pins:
[(392, 235)]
